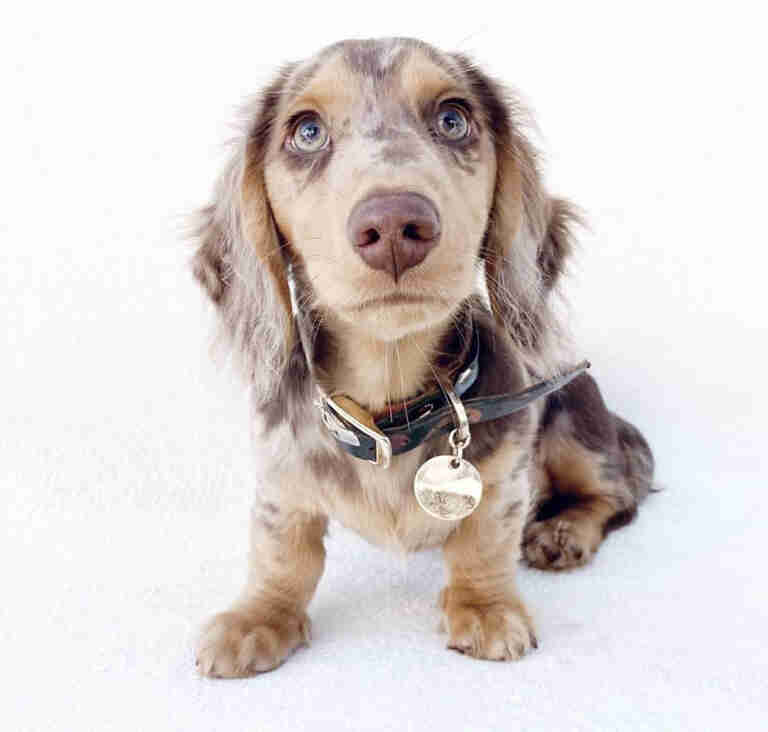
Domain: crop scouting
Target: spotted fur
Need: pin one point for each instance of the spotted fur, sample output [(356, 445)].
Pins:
[(557, 476)]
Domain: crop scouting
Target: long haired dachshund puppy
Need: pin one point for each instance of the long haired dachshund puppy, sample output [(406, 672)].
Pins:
[(382, 236)]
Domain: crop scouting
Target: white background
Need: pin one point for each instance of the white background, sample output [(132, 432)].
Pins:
[(124, 461)]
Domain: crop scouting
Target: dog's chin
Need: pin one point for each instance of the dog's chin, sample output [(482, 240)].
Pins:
[(391, 317)]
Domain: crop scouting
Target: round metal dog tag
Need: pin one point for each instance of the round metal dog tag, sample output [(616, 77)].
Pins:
[(448, 487)]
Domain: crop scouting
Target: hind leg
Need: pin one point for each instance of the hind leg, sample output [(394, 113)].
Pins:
[(582, 506), (591, 470)]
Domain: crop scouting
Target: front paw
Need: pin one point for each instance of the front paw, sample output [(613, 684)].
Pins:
[(246, 642), (500, 631)]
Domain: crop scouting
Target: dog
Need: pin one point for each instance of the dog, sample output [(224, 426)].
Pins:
[(381, 224)]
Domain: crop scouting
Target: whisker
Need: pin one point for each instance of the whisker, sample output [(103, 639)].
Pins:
[(428, 361), (386, 381), (402, 383)]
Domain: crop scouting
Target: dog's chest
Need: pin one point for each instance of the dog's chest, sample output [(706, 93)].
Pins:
[(384, 509)]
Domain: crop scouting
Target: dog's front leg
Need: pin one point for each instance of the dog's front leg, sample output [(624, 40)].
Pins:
[(482, 611), (269, 621)]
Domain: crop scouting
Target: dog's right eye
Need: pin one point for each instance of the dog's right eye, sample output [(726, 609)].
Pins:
[(309, 134)]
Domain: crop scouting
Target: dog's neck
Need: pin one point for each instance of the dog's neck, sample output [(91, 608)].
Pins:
[(379, 375)]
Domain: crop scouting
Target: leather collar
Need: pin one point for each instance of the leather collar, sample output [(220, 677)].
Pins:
[(375, 441)]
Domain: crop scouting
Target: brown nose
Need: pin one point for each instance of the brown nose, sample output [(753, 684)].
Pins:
[(395, 231)]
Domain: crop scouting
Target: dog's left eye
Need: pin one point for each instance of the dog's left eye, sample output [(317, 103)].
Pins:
[(310, 134), (452, 122)]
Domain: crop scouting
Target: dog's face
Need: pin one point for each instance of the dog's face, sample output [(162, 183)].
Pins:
[(380, 171), (389, 173)]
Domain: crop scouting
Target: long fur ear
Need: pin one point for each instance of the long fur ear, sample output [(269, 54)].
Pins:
[(239, 260), (529, 233)]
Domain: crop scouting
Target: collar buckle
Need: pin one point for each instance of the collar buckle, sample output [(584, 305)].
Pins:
[(352, 426)]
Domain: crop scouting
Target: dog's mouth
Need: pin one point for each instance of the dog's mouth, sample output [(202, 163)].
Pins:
[(396, 299)]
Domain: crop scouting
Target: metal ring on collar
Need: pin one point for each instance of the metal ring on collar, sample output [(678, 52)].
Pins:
[(462, 426)]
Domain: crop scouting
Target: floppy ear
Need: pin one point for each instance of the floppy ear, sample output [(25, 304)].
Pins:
[(239, 261), (529, 233)]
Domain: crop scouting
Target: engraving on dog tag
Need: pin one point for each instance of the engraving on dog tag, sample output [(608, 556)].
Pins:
[(448, 487)]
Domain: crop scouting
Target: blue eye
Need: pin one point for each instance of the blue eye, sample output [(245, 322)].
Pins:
[(452, 122), (310, 134)]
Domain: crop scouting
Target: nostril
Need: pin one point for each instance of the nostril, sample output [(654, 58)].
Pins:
[(411, 231), (370, 236)]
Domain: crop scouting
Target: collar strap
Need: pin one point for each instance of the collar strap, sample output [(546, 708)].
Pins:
[(376, 441)]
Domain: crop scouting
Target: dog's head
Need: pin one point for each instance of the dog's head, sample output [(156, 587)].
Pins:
[(388, 173)]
